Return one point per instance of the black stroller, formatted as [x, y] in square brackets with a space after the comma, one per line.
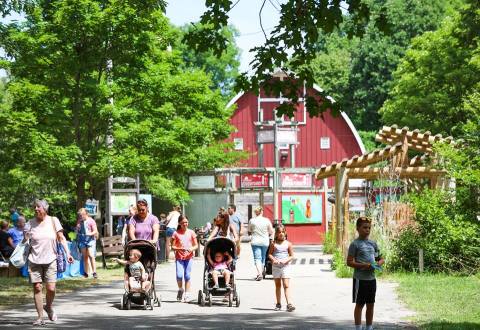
[148, 297]
[267, 269]
[206, 295]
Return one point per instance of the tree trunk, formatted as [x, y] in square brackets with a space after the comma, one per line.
[80, 191]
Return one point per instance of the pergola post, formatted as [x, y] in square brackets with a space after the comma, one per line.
[346, 216]
[340, 181]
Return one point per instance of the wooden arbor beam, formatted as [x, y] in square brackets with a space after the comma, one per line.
[409, 172]
[422, 142]
[359, 161]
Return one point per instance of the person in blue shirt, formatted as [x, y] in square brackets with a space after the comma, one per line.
[237, 222]
[14, 216]
[16, 233]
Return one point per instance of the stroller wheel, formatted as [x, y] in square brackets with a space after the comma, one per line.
[201, 298]
[230, 300]
[128, 304]
[264, 273]
[122, 303]
[209, 300]
[159, 301]
[150, 303]
[237, 301]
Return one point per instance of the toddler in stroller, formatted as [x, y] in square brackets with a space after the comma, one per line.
[219, 272]
[220, 265]
[137, 276]
[140, 263]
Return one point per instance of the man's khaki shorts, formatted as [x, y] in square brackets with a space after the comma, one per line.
[43, 273]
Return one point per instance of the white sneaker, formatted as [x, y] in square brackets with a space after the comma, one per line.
[186, 297]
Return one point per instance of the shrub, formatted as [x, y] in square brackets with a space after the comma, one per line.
[329, 245]
[339, 265]
[449, 237]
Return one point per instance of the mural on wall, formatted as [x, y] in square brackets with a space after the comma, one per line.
[301, 209]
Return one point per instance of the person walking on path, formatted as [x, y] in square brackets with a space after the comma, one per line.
[132, 210]
[87, 235]
[44, 231]
[281, 254]
[16, 232]
[364, 257]
[184, 243]
[143, 225]
[260, 229]
[236, 220]
[223, 228]
[172, 224]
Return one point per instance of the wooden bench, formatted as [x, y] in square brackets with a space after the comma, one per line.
[9, 271]
[111, 247]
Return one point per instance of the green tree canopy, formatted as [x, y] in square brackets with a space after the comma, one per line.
[94, 91]
[223, 70]
[439, 72]
[290, 46]
[358, 72]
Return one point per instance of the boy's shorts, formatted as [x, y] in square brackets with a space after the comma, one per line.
[364, 291]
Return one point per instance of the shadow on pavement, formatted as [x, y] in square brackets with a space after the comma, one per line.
[267, 320]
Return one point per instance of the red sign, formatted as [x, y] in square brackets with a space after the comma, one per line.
[296, 180]
[255, 180]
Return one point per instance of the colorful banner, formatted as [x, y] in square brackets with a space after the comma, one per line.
[302, 209]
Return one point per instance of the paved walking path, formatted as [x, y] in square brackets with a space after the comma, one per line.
[322, 301]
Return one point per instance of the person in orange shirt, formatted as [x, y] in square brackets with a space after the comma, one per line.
[184, 243]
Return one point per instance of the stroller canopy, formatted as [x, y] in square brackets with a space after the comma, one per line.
[221, 244]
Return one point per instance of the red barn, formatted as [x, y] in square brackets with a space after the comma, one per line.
[320, 141]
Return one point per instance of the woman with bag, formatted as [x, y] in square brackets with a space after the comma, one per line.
[87, 234]
[45, 235]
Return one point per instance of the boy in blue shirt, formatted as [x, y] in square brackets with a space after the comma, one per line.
[364, 256]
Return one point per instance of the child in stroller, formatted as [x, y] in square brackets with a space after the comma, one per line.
[140, 261]
[219, 254]
[220, 265]
[136, 279]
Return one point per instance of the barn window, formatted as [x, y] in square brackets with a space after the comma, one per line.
[324, 142]
[238, 143]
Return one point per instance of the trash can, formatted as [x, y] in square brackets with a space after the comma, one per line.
[162, 243]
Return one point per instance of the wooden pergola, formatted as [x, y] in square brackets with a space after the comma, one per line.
[399, 142]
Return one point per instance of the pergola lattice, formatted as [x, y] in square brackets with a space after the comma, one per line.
[399, 142]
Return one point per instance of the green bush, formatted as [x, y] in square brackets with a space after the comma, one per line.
[449, 236]
[339, 265]
[329, 245]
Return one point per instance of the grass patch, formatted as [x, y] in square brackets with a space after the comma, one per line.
[446, 302]
[16, 291]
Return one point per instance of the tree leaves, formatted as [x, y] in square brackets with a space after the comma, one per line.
[85, 73]
[290, 47]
